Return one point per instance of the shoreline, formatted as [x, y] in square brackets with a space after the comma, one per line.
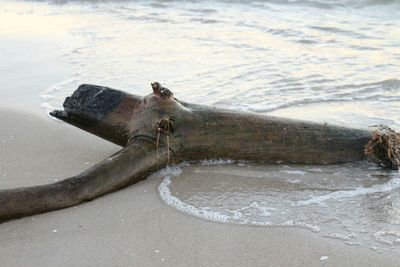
[134, 226]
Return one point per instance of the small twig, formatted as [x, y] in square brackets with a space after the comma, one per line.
[158, 141]
[168, 149]
[167, 141]
[164, 126]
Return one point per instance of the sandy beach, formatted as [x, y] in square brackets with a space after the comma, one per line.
[133, 227]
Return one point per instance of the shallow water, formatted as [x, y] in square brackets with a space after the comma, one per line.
[333, 61]
[358, 204]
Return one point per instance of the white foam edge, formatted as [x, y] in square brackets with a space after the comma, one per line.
[211, 162]
[48, 94]
[392, 184]
[347, 237]
[207, 213]
[379, 237]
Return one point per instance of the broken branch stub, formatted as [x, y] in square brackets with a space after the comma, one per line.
[100, 110]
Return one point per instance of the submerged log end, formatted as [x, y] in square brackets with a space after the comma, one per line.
[385, 147]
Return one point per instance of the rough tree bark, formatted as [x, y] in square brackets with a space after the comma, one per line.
[159, 129]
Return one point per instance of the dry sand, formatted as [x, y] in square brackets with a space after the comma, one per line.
[133, 227]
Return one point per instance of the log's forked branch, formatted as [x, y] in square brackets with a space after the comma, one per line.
[128, 166]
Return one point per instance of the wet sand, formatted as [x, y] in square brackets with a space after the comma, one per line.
[133, 227]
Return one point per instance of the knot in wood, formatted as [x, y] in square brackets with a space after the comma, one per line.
[165, 125]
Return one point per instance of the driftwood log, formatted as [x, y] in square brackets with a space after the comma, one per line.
[158, 129]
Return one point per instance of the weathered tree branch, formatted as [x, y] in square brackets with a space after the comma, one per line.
[158, 128]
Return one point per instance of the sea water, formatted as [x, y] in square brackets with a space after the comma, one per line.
[358, 204]
[334, 61]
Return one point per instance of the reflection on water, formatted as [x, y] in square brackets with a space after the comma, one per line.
[356, 203]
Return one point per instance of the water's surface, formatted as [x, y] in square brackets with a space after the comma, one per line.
[323, 60]
[358, 204]
[334, 61]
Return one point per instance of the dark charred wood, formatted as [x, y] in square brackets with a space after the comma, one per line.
[100, 110]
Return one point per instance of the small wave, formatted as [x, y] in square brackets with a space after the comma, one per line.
[347, 237]
[205, 21]
[296, 172]
[381, 188]
[388, 237]
[203, 10]
[158, 5]
[382, 91]
[209, 162]
[336, 30]
[208, 214]
[306, 41]
[154, 18]
[365, 48]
